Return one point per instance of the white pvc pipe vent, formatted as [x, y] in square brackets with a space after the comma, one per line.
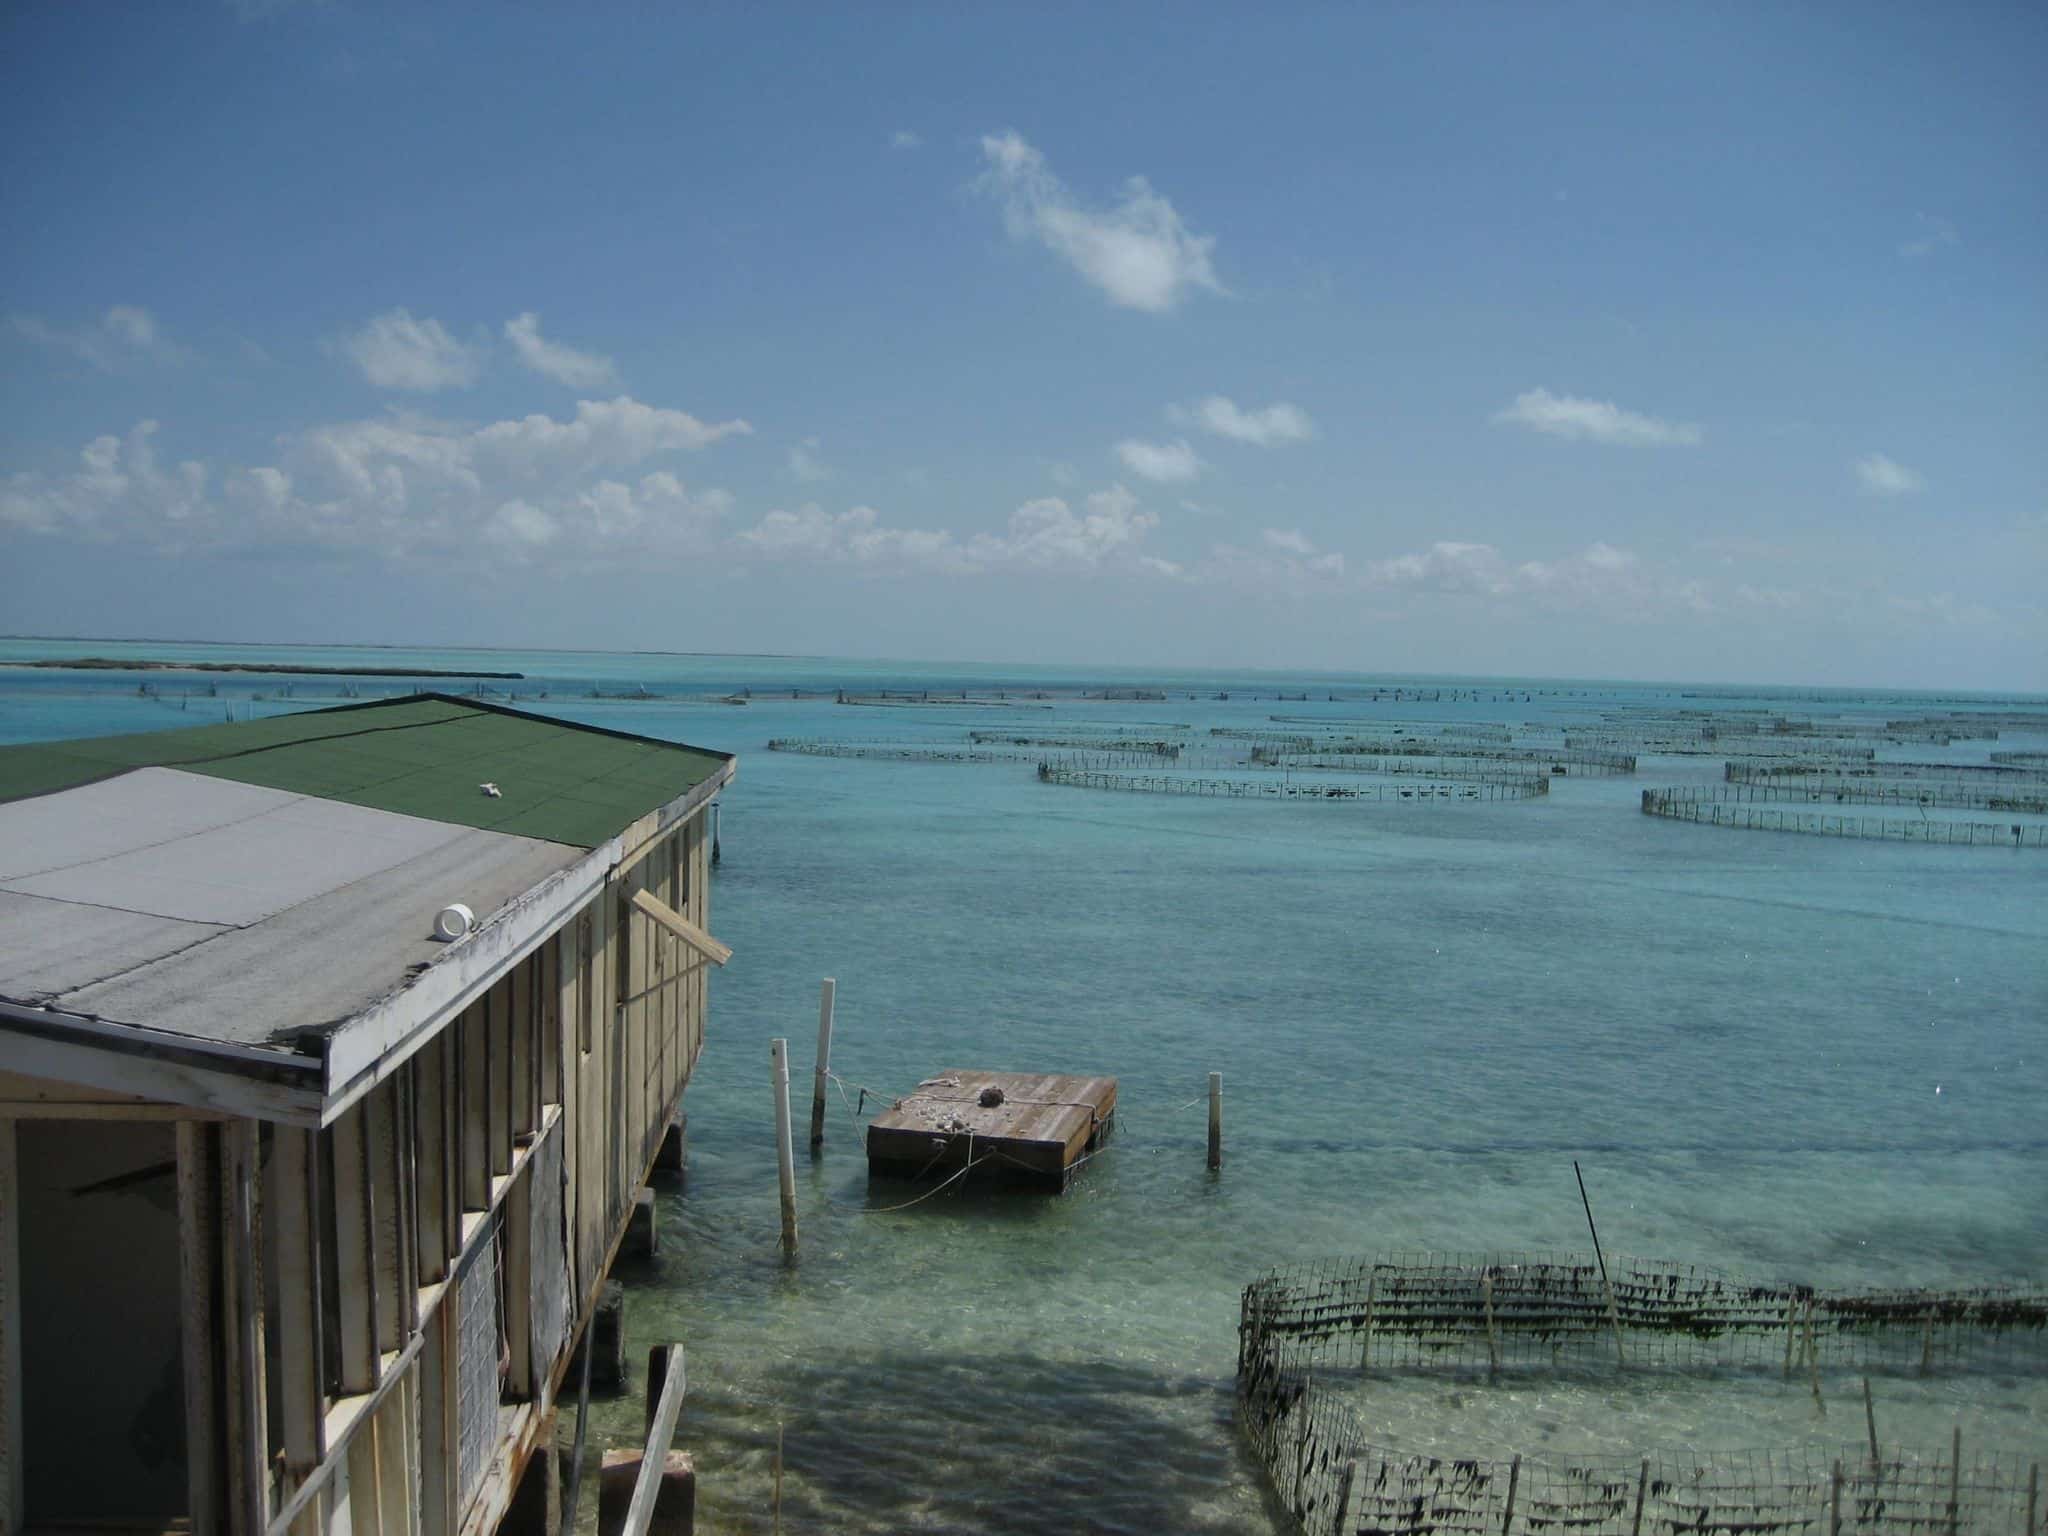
[454, 922]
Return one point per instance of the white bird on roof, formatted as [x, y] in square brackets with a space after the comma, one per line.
[491, 789]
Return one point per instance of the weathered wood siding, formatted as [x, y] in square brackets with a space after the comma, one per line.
[380, 1312]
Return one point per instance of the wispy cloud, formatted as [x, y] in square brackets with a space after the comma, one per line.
[1138, 253]
[1167, 463]
[1599, 576]
[1045, 535]
[125, 337]
[1930, 235]
[1881, 476]
[395, 351]
[903, 138]
[1595, 421]
[804, 464]
[1292, 540]
[565, 365]
[401, 486]
[1264, 428]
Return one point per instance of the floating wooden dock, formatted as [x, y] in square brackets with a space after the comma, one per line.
[1019, 1127]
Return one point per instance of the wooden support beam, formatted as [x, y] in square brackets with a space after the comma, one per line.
[436, 1210]
[702, 942]
[198, 1244]
[438, 1430]
[525, 1107]
[476, 1086]
[248, 1410]
[661, 1433]
[354, 1256]
[517, 1323]
[499, 1013]
[379, 1112]
[289, 1204]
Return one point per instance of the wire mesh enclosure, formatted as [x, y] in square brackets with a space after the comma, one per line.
[1304, 1327]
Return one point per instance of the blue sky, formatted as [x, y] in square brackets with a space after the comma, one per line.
[1683, 342]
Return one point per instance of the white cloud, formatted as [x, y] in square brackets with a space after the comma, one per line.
[118, 484]
[403, 486]
[565, 365]
[1932, 234]
[1047, 534]
[804, 464]
[395, 351]
[1598, 576]
[1885, 477]
[1168, 463]
[1267, 428]
[1774, 599]
[1598, 421]
[1285, 562]
[1291, 540]
[1138, 253]
[903, 138]
[122, 338]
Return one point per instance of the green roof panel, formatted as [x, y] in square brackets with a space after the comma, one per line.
[423, 755]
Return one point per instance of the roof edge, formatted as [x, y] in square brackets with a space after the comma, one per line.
[372, 1043]
[253, 1081]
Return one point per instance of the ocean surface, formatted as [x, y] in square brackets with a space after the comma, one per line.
[1793, 1057]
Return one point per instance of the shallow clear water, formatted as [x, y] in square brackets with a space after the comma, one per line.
[1800, 1058]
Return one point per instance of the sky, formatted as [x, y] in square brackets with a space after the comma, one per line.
[1683, 342]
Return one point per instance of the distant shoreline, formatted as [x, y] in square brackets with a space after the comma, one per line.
[140, 664]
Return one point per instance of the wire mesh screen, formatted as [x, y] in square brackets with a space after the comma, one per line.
[1503, 1311]
[476, 1369]
[550, 1259]
[1426, 1311]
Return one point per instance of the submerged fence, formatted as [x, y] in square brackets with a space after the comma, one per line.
[1269, 786]
[1302, 1328]
[1698, 805]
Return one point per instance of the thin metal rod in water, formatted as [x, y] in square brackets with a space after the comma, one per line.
[822, 1071]
[785, 1157]
[1613, 1316]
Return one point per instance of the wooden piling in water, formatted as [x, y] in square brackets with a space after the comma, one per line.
[785, 1156]
[1215, 1122]
[823, 1070]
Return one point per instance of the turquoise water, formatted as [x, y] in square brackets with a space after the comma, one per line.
[1791, 1056]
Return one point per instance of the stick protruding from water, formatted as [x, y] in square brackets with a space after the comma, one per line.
[1607, 1285]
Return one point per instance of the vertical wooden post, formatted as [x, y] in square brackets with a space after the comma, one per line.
[1870, 1424]
[1642, 1491]
[290, 1204]
[1345, 1487]
[1507, 1521]
[823, 1069]
[197, 1244]
[249, 1478]
[1835, 1501]
[1955, 1480]
[1492, 1329]
[2033, 1494]
[1215, 1121]
[785, 1157]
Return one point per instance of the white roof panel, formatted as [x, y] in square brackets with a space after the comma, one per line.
[176, 901]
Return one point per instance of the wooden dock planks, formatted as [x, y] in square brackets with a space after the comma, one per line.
[1044, 1126]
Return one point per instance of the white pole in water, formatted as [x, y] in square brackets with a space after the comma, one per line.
[785, 1158]
[823, 1070]
[1215, 1121]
